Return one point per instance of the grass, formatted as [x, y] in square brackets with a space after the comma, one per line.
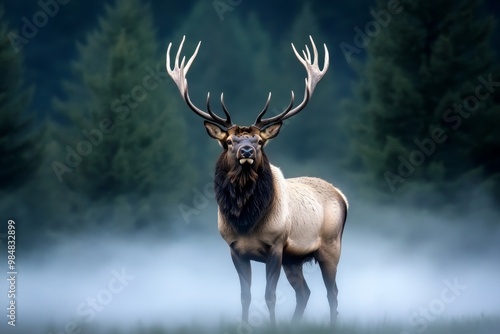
[472, 325]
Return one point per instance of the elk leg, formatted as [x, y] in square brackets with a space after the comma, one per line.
[244, 270]
[295, 276]
[273, 270]
[329, 272]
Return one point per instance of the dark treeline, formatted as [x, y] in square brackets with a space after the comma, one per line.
[95, 135]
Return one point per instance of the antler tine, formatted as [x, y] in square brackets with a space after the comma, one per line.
[263, 110]
[271, 120]
[224, 109]
[308, 58]
[314, 75]
[226, 122]
[178, 75]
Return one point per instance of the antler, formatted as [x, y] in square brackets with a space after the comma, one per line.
[178, 74]
[314, 75]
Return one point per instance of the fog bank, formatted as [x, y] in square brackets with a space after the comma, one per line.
[408, 267]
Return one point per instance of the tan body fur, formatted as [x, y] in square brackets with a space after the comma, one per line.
[307, 215]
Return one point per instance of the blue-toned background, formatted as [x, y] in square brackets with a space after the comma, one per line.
[108, 175]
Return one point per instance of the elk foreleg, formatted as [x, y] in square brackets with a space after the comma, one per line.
[273, 270]
[244, 270]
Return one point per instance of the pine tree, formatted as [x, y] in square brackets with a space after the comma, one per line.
[127, 145]
[426, 59]
[20, 149]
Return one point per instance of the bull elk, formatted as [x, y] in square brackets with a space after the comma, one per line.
[263, 216]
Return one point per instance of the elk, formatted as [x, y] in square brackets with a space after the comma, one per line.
[261, 215]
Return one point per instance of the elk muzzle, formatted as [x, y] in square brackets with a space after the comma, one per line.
[246, 154]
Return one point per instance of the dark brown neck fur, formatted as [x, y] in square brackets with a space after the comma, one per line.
[244, 193]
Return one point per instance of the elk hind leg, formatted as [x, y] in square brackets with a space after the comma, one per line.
[295, 277]
[328, 264]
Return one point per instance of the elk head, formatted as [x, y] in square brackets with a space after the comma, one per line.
[243, 145]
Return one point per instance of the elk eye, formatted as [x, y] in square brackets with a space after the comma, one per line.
[261, 142]
[229, 142]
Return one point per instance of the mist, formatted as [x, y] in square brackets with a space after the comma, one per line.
[409, 267]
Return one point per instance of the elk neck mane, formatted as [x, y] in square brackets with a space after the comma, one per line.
[244, 194]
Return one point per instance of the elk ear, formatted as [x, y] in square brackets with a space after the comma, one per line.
[215, 131]
[271, 131]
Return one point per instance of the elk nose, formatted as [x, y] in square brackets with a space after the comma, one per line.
[246, 151]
